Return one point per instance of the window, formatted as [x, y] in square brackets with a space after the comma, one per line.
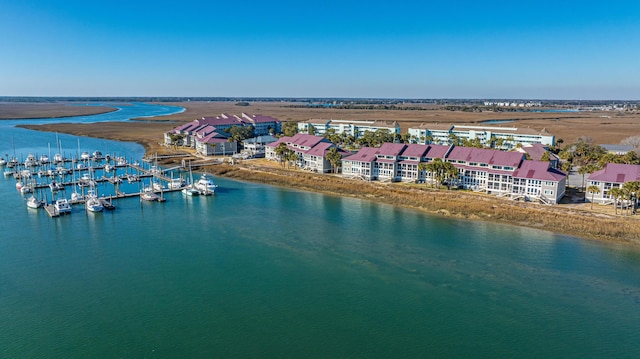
[548, 191]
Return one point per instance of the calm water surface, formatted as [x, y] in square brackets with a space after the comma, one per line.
[260, 271]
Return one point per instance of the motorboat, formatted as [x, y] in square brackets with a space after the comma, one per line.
[57, 158]
[205, 185]
[3, 162]
[85, 156]
[157, 187]
[56, 186]
[190, 191]
[176, 183]
[93, 203]
[30, 161]
[97, 156]
[34, 203]
[62, 206]
[149, 196]
[44, 159]
[76, 196]
[86, 180]
[13, 162]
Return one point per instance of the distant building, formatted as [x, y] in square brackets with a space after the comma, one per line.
[353, 128]
[508, 137]
[208, 135]
[618, 149]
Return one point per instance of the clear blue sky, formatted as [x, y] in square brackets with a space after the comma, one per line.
[404, 49]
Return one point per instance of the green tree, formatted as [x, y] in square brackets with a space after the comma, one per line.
[588, 168]
[290, 128]
[281, 151]
[176, 138]
[311, 130]
[593, 190]
[546, 157]
[335, 158]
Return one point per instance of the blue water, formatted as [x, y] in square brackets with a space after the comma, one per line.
[261, 271]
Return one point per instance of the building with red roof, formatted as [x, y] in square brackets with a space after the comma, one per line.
[539, 180]
[490, 171]
[614, 175]
[311, 151]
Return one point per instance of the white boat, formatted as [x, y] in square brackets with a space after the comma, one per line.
[13, 162]
[57, 158]
[3, 162]
[8, 172]
[133, 178]
[56, 186]
[93, 204]
[85, 156]
[34, 203]
[86, 180]
[76, 196]
[62, 170]
[107, 168]
[190, 191]
[44, 159]
[157, 187]
[176, 183]
[205, 185]
[30, 161]
[62, 206]
[97, 156]
[149, 196]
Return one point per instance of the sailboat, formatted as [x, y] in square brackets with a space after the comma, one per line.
[189, 190]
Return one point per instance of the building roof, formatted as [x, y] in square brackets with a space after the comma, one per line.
[261, 139]
[617, 173]
[257, 118]
[305, 140]
[415, 150]
[481, 155]
[538, 170]
[320, 149]
[617, 148]
[391, 149]
[365, 154]
[437, 151]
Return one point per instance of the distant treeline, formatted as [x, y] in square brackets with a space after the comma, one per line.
[347, 103]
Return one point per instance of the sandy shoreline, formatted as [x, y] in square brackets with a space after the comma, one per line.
[575, 219]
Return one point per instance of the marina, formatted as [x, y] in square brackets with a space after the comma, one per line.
[127, 180]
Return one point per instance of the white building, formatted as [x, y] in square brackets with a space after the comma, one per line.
[353, 128]
[509, 136]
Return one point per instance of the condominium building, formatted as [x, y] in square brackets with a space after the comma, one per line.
[500, 137]
[353, 128]
[490, 171]
[614, 175]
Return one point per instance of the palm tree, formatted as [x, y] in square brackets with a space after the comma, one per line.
[435, 167]
[593, 189]
[281, 152]
[335, 158]
[583, 170]
[616, 193]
